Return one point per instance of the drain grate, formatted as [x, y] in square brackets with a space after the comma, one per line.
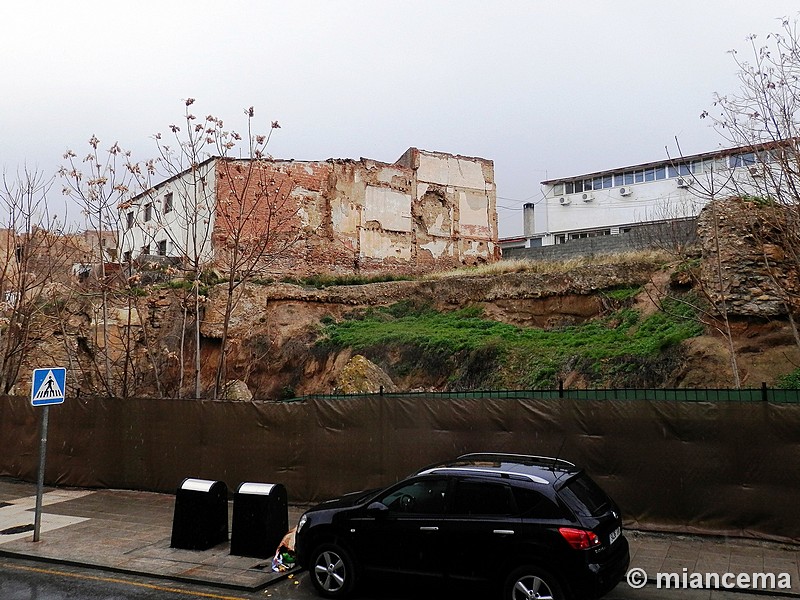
[17, 529]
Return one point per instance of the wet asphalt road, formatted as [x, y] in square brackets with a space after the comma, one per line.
[28, 580]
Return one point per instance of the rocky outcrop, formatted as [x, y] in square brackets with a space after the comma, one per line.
[745, 263]
[362, 376]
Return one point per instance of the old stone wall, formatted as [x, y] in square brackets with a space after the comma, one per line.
[746, 261]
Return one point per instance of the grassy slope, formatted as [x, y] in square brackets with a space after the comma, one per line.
[473, 352]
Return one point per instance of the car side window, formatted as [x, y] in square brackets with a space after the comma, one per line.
[483, 498]
[534, 505]
[426, 496]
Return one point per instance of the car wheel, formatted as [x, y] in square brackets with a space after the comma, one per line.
[529, 582]
[333, 572]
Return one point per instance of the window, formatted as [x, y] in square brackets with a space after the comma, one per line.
[146, 249]
[638, 176]
[619, 179]
[129, 219]
[532, 504]
[607, 182]
[661, 173]
[681, 170]
[127, 256]
[650, 175]
[425, 496]
[558, 189]
[743, 160]
[629, 178]
[586, 496]
[162, 248]
[168, 202]
[148, 211]
[569, 187]
[480, 498]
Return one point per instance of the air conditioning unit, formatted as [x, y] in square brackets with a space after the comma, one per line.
[684, 182]
[587, 197]
[564, 201]
[625, 191]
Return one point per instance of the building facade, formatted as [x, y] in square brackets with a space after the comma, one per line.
[618, 201]
[427, 211]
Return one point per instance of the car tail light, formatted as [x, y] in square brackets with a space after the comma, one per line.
[579, 539]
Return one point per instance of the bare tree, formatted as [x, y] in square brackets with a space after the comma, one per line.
[763, 117]
[220, 213]
[31, 258]
[98, 184]
[97, 187]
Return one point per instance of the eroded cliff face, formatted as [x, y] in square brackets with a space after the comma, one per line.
[275, 328]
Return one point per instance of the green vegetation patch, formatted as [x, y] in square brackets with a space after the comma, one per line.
[525, 356]
[323, 281]
[790, 381]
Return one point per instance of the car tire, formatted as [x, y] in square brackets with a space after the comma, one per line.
[527, 582]
[332, 571]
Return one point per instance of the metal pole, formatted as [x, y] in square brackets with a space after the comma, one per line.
[37, 523]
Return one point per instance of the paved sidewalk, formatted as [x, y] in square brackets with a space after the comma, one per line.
[670, 553]
[123, 531]
[129, 531]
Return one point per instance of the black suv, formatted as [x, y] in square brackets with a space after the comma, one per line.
[533, 526]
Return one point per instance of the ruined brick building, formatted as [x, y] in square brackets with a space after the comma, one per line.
[427, 211]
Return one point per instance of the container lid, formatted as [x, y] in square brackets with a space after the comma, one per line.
[197, 485]
[259, 489]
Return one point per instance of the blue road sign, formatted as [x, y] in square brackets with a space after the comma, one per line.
[49, 386]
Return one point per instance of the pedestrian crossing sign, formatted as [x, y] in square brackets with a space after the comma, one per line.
[49, 386]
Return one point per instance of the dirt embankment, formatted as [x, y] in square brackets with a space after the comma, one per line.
[275, 327]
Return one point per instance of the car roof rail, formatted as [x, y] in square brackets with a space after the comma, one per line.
[545, 459]
[490, 472]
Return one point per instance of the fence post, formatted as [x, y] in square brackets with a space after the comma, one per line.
[764, 397]
[560, 388]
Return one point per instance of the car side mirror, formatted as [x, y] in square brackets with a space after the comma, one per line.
[376, 509]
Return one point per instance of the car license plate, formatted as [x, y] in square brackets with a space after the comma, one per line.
[614, 535]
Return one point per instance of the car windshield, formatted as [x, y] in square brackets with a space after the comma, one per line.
[585, 496]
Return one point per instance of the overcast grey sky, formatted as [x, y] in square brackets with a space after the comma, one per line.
[545, 89]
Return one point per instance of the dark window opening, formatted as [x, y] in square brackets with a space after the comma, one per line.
[478, 498]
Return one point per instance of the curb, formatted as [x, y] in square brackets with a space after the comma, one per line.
[177, 578]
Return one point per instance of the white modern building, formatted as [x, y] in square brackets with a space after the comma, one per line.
[611, 202]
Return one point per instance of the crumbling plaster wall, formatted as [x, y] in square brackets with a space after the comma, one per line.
[455, 208]
[428, 211]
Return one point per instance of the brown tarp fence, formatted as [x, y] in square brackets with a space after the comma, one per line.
[730, 468]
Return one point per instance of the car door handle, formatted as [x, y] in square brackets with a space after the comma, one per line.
[504, 531]
[429, 529]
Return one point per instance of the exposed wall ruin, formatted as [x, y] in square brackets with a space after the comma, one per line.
[428, 211]
[750, 247]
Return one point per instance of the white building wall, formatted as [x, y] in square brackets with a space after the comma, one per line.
[186, 229]
[608, 210]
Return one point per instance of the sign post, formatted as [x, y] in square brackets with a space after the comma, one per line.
[48, 387]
